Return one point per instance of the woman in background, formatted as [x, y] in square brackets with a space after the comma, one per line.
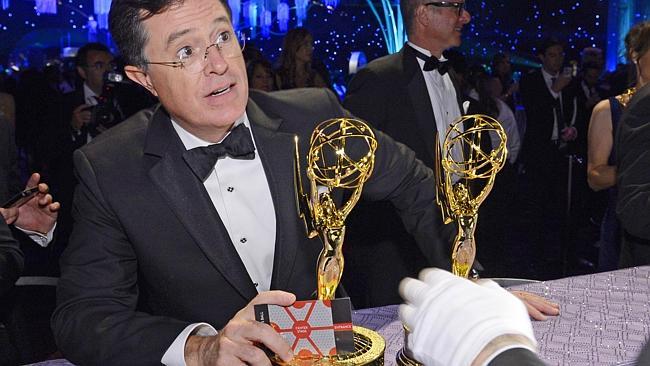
[260, 75]
[297, 68]
[601, 164]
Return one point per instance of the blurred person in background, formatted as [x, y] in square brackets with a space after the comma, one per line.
[298, 68]
[260, 75]
[601, 164]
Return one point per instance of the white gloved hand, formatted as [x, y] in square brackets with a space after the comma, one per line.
[452, 319]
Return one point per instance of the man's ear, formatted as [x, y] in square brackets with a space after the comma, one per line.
[141, 77]
[82, 72]
[422, 16]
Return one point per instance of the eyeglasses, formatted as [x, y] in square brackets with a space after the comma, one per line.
[190, 58]
[447, 4]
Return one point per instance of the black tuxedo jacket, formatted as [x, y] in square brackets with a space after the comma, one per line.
[539, 104]
[633, 160]
[149, 254]
[11, 258]
[9, 175]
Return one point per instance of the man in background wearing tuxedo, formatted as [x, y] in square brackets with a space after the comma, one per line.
[412, 96]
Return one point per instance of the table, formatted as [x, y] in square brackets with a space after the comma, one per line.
[604, 320]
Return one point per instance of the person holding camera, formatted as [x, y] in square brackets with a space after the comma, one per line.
[94, 61]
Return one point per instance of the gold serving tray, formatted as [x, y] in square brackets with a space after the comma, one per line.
[369, 349]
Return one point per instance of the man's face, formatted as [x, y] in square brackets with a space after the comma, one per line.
[552, 59]
[503, 67]
[262, 79]
[446, 26]
[208, 100]
[591, 76]
[97, 63]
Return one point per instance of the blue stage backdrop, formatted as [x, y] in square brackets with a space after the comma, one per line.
[28, 38]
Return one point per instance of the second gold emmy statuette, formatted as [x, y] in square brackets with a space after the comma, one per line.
[465, 173]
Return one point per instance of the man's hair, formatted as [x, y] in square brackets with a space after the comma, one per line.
[592, 65]
[548, 43]
[82, 55]
[408, 7]
[125, 23]
[638, 39]
[499, 57]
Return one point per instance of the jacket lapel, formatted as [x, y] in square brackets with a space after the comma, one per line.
[419, 95]
[276, 150]
[191, 204]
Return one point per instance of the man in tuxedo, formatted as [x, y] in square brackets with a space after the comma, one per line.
[633, 178]
[162, 244]
[549, 97]
[83, 113]
[412, 96]
[186, 214]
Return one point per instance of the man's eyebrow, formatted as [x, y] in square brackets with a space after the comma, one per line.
[176, 35]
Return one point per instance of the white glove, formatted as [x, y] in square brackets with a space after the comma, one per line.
[452, 319]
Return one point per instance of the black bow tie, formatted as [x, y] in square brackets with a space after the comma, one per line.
[432, 63]
[238, 144]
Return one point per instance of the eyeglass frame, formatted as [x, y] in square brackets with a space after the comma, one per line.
[181, 64]
[448, 4]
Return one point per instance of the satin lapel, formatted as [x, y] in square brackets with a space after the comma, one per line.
[191, 204]
[419, 95]
[276, 150]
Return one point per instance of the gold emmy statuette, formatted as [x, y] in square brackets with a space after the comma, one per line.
[341, 157]
[465, 175]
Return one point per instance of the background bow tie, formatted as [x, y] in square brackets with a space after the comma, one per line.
[238, 145]
[432, 63]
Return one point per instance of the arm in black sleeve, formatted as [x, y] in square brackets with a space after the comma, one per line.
[11, 258]
[633, 177]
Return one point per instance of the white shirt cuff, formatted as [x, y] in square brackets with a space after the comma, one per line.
[39, 238]
[175, 354]
[505, 348]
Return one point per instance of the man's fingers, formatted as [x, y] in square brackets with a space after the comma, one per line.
[43, 188]
[534, 313]
[33, 180]
[275, 297]
[253, 331]
[237, 353]
[55, 207]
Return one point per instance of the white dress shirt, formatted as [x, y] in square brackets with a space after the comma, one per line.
[240, 193]
[442, 94]
[90, 98]
[548, 79]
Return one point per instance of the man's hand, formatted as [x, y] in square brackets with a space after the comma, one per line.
[80, 116]
[537, 306]
[38, 214]
[568, 134]
[236, 342]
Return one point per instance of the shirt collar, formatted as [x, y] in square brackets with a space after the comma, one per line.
[424, 50]
[191, 141]
[548, 76]
[89, 95]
